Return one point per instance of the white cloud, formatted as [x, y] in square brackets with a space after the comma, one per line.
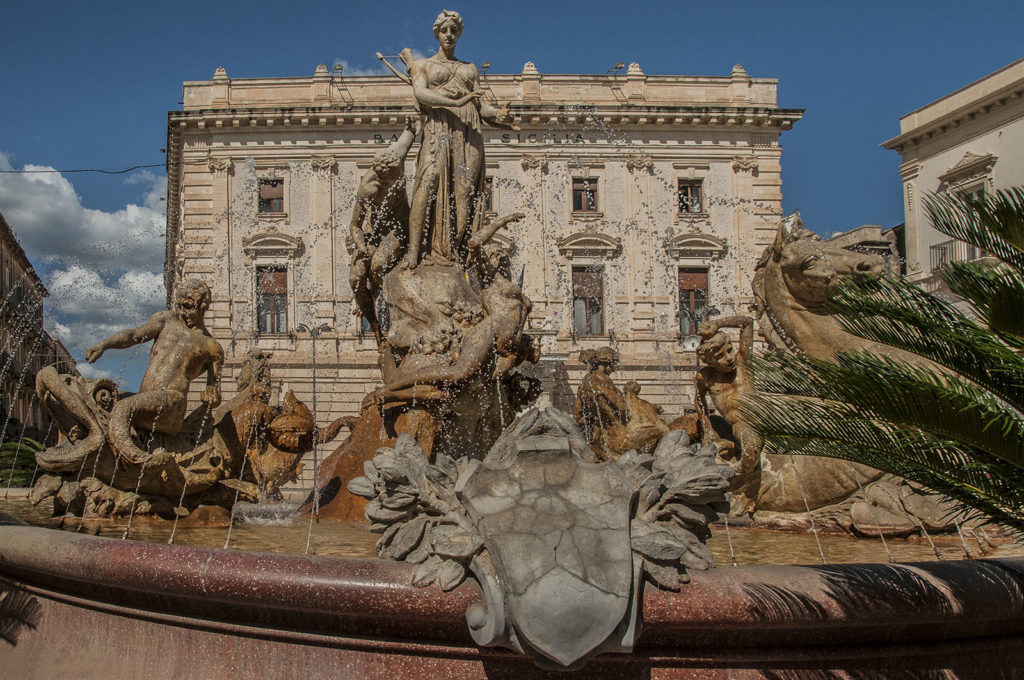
[92, 373]
[83, 294]
[103, 268]
[378, 69]
[52, 223]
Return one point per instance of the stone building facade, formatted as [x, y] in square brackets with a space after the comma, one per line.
[971, 140]
[25, 347]
[648, 200]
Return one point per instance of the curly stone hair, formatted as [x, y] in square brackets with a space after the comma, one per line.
[386, 161]
[711, 344]
[448, 15]
[194, 288]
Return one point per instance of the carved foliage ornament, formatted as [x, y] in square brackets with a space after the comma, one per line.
[530, 162]
[745, 164]
[639, 162]
[219, 165]
[558, 542]
[323, 164]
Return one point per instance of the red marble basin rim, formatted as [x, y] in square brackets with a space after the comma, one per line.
[726, 607]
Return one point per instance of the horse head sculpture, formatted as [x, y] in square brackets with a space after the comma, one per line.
[792, 281]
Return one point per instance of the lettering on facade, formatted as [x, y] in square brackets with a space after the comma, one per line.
[543, 138]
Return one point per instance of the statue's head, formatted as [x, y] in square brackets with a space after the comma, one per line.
[810, 267]
[717, 351]
[255, 374]
[448, 26]
[386, 164]
[632, 387]
[498, 259]
[602, 356]
[191, 300]
[529, 348]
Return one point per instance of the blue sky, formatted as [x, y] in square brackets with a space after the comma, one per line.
[89, 84]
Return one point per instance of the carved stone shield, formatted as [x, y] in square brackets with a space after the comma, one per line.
[557, 532]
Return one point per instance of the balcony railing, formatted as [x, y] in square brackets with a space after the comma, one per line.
[947, 252]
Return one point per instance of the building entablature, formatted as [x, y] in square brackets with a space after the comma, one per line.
[999, 93]
[377, 117]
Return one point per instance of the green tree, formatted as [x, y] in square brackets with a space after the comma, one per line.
[18, 461]
[954, 421]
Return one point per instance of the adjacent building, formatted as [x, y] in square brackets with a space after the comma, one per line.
[648, 200]
[25, 347]
[969, 141]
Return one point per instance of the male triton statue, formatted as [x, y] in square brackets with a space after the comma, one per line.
[183, 349]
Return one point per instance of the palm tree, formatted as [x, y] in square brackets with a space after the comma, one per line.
[954, 421]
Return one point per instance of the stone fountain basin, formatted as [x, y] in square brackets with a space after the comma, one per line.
[113, 609]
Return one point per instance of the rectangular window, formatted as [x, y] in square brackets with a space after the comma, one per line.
[271, 196]
[690, 197]
[488, 194]
[272, 299]
[584, 194]
[693, 299]
[588, 300]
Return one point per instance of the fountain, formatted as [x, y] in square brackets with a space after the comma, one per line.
[514, 540]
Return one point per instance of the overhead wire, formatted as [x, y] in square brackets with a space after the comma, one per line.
[105, 172]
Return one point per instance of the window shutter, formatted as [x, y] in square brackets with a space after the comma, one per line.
[271, 189]
[693, 279]
[273, 281]
[586, 284]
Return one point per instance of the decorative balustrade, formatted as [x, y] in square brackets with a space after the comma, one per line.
[947, 252]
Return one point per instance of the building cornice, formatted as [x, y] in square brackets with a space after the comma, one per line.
[998, 101]
[375, 117]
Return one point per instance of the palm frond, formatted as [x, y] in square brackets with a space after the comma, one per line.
[18, 610]
[895, 312]
[945, 406]
[956, 424]
[994, 290]
[994, 223]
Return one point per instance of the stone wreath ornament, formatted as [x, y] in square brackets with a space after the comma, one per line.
[559, 542]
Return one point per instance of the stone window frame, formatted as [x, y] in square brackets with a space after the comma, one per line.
[691, 172]
[260, 293]
[701, 202]
[970, 174]
[271, 172]
[682, 270]
[589, 249]
[586, 178]
[693, 250]
[272, 249]
[602, 299]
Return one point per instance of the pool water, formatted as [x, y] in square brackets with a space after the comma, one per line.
[745, 546]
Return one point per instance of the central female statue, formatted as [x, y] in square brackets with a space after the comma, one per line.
[448, 192]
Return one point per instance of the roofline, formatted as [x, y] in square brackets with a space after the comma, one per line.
[969, 110]
[962, 89]
[7, 233]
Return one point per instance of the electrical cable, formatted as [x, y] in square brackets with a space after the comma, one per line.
[105, 172]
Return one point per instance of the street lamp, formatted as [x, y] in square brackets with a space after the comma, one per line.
[314, 333]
